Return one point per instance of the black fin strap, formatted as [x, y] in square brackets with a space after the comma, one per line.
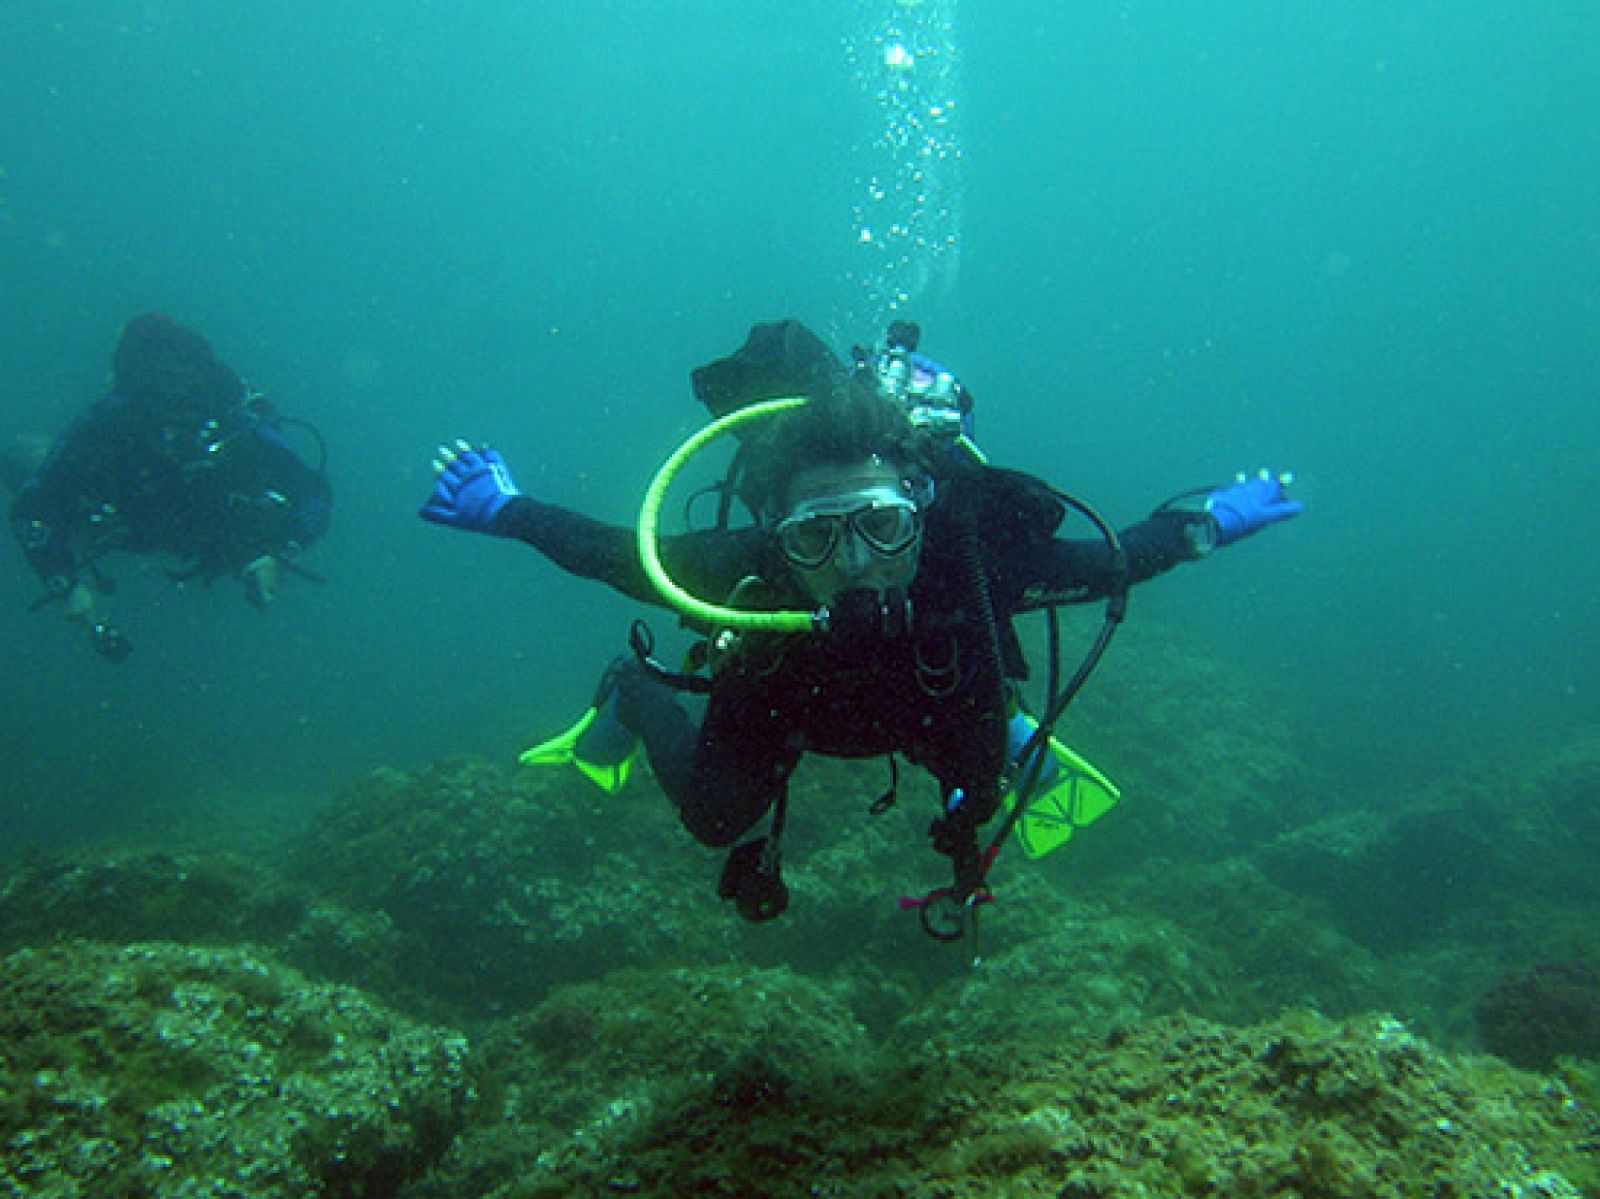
[887, 800]
[643, 643]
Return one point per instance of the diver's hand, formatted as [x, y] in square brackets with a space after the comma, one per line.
[1251, 504]
[471, 488]
[261, 579]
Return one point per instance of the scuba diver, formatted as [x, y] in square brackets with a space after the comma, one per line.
[178, 458]
[869, 613]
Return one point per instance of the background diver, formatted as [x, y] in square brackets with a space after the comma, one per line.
[178, 458]
[919, 560]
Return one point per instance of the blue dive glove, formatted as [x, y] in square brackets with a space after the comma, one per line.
[471, 488]
[1250, 505]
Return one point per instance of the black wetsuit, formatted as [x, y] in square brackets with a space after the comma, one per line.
[936, 694]
[215, 491]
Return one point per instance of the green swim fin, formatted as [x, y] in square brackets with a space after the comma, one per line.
[599, 745]
[1072, 794]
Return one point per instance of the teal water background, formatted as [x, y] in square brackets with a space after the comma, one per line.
[1358, 241]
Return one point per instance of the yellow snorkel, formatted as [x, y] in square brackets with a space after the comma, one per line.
[693, 606]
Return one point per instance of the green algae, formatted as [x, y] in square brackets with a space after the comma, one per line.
[132, 895]
[1299, 1107]
[1126, 1034]
[154, 1070]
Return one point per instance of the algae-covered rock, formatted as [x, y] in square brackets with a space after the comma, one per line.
[141, 895]
[1097, 971]
[1537, 1014]
[126, 895]
[1273, 948]
[159, 1070]
[1491, 854]
[685, 1027]
[1303, 1107]
[506, 883]
[1294, 1108]
[596, 1066]
[1456, 887]
[1394, 880]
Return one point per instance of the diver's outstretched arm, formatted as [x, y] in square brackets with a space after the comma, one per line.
[1182, 530]
[474, 491]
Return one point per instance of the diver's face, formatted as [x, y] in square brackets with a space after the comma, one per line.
[849, 528]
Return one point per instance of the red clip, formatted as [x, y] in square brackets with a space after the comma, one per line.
[910, 903]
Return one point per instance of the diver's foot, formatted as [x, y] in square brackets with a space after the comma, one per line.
[600, 745]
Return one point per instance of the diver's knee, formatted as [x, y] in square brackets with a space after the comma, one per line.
[716, 829]
[712, 833]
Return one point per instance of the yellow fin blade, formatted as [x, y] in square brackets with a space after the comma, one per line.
[565, 750]
[1077, 795]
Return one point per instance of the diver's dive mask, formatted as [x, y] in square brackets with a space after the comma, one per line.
[882, 521]
[856, 551]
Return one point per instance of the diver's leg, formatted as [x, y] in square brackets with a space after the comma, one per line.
[723, 776]
[650, 709]
[740, 770]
